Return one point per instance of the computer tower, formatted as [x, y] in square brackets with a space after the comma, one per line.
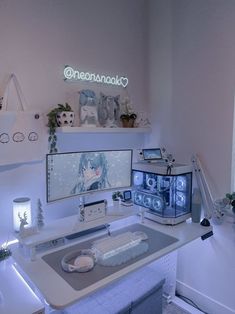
[165, 194]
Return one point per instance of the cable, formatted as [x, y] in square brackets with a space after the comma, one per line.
[190, 302]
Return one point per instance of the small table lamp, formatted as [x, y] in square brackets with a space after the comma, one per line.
[21, 210]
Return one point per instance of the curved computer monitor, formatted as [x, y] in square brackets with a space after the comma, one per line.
[78, 173]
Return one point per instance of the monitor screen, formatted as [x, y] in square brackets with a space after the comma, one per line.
[152, 154]
[77, 173]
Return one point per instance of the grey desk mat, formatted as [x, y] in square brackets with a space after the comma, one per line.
[78, 281]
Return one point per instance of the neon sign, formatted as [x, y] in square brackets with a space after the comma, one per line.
[76, 75]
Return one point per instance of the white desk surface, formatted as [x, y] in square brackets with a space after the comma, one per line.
[65, 226]
[59, 294]
[15, 295]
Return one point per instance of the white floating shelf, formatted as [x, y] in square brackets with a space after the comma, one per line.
[67, 129]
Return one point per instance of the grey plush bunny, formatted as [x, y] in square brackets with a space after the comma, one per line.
[109, 110]
[88, 108]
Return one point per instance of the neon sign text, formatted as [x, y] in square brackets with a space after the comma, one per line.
[71, 74]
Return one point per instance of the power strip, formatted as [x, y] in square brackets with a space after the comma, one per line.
[49, 245]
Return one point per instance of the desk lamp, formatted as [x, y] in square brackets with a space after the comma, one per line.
[21, 209]
[209, 205]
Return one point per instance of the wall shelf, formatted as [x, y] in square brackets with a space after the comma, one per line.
[96, 130]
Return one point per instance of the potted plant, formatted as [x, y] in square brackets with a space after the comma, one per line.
[4, 253]
[230, 200]
[128, 116]
[116, 196]
[62, 115]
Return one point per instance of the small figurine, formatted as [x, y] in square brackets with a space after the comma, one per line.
[168, 159]
[25, 232]
[109, 110]
[40, 217]
[23, 223]
[88, 108]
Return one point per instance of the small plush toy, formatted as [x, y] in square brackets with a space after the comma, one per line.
[88, 108]
[169, 159]
[109, 110]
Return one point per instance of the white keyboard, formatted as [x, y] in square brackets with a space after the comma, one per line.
[112, 245]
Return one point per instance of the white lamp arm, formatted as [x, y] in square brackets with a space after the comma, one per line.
[207, 200]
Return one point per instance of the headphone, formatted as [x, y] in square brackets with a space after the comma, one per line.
[83, 261]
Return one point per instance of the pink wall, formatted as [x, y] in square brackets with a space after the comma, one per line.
[37, 39]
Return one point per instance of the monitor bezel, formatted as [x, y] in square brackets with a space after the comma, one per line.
[92, 191]
[152, 149]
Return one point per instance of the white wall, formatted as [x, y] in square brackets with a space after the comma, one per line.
[198, 118]
[37, 39]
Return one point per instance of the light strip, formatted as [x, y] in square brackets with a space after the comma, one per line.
[7, 243]
[76, 75]
[23, 280]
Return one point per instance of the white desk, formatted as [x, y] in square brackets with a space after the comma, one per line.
[15, 295]
[59, 294]
[65, 226]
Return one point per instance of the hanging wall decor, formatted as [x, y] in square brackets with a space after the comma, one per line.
[22, 132]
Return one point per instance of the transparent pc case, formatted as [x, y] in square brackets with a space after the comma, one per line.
[167, 198]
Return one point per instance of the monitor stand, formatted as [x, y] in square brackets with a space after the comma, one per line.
[127, 203]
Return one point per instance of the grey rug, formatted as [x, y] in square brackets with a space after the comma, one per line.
[156, 241]
[172, 308]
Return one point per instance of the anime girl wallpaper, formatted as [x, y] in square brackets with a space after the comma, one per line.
[76, 173]
[92, 173]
